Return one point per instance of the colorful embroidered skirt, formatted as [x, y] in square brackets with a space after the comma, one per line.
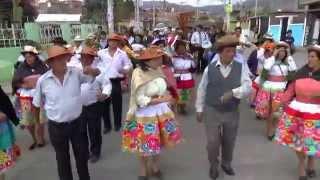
[184, 95]
[265, 101]
[27, 112]
[300, 132]
[153, 128]
[7, 147]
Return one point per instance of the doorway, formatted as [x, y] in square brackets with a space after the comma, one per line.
[284, 28]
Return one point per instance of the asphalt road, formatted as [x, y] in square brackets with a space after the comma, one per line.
[255, 157]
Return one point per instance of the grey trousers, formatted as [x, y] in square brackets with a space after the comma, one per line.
[221, 130]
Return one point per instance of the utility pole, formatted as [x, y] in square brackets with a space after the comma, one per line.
[256, 8]
[153, 14]
[197, 11]
[137, 23]
[110, 16]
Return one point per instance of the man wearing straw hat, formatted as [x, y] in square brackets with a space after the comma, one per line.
[59, 91]
[223, 84]
[93, 94]
[118, 65]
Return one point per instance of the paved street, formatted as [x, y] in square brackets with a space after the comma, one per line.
[255, 158]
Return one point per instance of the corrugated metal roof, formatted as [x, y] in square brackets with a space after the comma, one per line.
[58, 18]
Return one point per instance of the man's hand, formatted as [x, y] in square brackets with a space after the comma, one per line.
[200, 117]
[101, 97]
[226, 97]
[91, 71]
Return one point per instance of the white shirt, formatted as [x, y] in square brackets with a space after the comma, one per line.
[62, 102]
[114, 65]
[239, 92]
[196, 38]
[101, 84]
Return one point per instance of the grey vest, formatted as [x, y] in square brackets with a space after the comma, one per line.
[218, 85]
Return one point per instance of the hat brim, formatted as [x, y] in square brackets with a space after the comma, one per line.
[115, 39]
[150, 58]
[24, 52]
[314, 49]
[64, 54]
[224, 45]
[282, 45]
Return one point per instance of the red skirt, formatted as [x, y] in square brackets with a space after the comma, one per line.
[185, 84]
[265, 101]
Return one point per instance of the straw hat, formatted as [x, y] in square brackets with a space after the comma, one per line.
[115, 37]
[267, 36]
[29, 49]
[227, 41]
[91, 36]
[315, 47]
[150, 53]
[282, 44]
[56, 51]
[89, 50]
[78, 38]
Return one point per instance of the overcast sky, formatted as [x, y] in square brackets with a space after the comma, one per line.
[194, 2]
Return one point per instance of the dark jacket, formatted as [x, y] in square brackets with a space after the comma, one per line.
[7, 108]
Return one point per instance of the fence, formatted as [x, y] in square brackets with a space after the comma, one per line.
[17, 34]
[12, 36]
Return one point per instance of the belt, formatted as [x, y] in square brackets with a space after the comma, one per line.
[62, 123]
[277, 78]
[116, 79]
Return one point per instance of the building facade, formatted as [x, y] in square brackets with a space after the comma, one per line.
[312, 10]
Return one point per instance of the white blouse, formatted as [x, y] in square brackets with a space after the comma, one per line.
[156, 87]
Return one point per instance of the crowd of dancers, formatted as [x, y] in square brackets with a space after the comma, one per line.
[73, 88]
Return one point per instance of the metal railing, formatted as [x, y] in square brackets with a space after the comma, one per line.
[12, 36]
[49, 32]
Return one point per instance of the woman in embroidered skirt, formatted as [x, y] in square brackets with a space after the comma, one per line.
[299, 125]
[184, 66]
[150, 124]
[23, 84]
[273, 79]
[8, 150]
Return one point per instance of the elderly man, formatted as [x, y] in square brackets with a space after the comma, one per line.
[118, 66]
[59, 91]
[223, 84]
[93, 94]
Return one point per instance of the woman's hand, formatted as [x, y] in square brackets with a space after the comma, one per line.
[161, 99]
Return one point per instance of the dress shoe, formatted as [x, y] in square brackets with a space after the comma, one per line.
[228, 170]
[117, 129]
[143, 178]
[303, 178]
[311, 173]
[94, 158]
[213, 173]
[106, 131]
[158, 175]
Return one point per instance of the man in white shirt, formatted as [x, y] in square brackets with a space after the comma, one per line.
[93, 94]
[197, 39]
[223, 84]
[59, 91]
[118, 65]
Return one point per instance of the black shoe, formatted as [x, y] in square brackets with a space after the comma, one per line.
[32, 146]
[213, 174]
[117, 129]
[303, 178]
[94, 158]
[270, 138]
[106, 131]
[41, 145]
[158, 175]
[228, 170]
[143, 178]
[311, 173]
